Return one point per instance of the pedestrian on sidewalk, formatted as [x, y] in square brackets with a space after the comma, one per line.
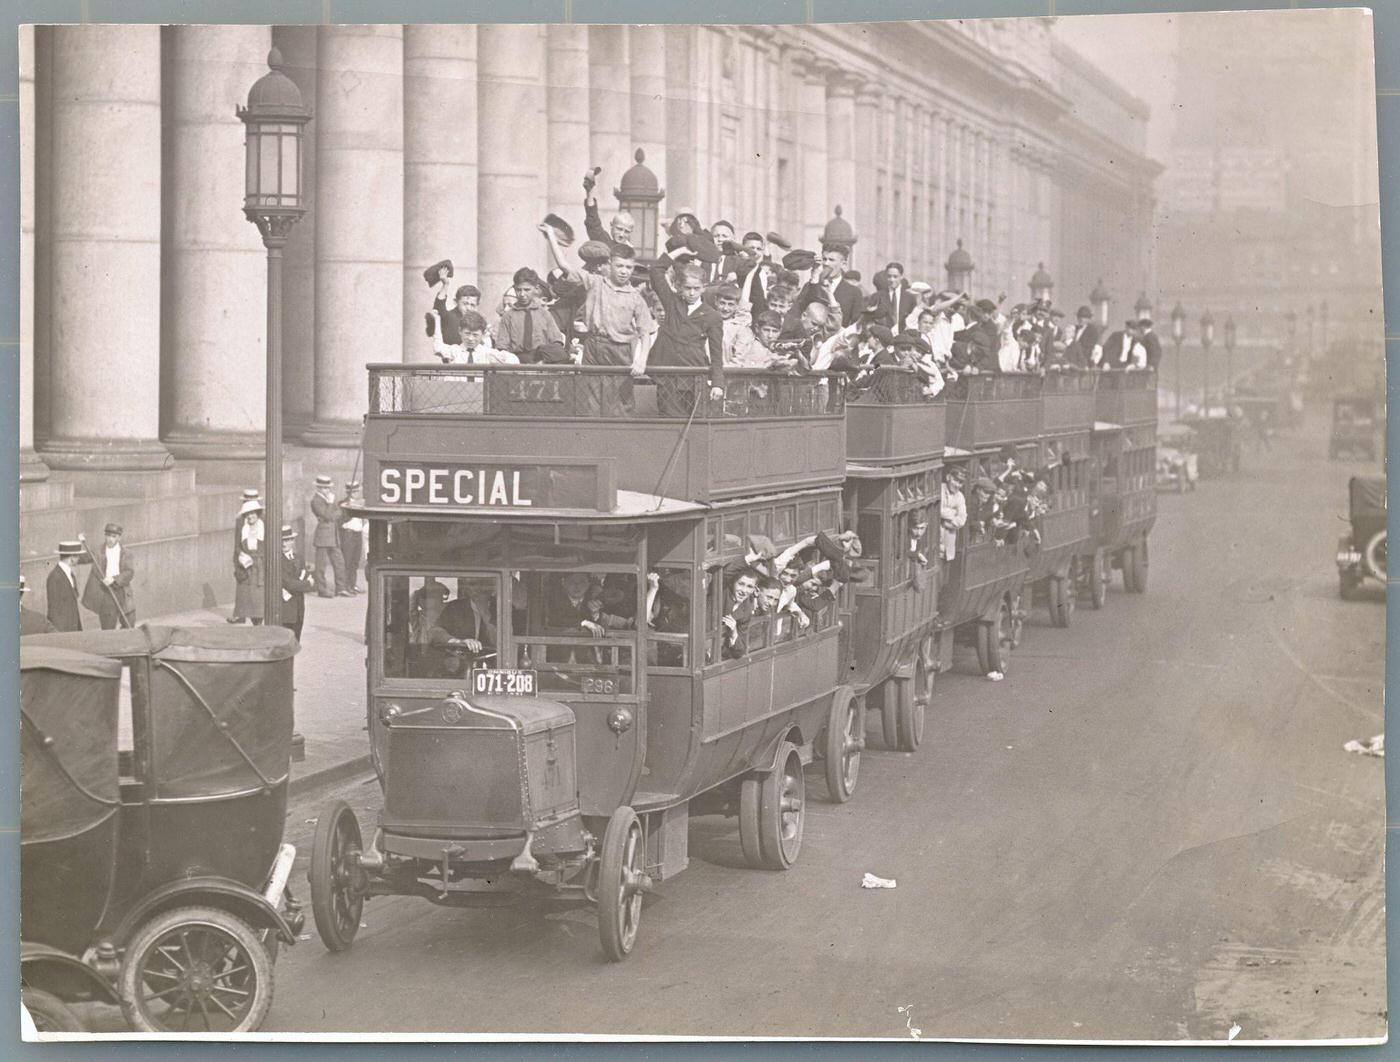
[108, 591]
[296, 583]
[352, 538]
[61, 588]
[30, 621]
[248, 565]
[327, 540]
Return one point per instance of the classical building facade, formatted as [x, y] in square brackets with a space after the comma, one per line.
[144, 287]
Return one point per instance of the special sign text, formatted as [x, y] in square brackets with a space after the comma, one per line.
[452, 486]
[490, 483]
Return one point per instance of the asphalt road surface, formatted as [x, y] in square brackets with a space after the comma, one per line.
[1148, 830]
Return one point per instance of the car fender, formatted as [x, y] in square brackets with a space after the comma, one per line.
[224, 893]
[51, 970]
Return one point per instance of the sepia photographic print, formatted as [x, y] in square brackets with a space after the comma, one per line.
[840, 530]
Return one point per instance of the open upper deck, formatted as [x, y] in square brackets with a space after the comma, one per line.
[990, 409]
[1068, 401]
[894, 422]
[501, 438]
[1127, 396]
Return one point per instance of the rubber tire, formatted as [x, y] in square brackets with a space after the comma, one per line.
[750, 795]
[989, 654]
[128, 979]
[845, 727]
[1140, 567]
[337, 932]
[1127, 564]
[913, 706]
[620, 914]
[885, 697]
[1098, 580]
[49, 1013]
[1375, 566]
[785, 783]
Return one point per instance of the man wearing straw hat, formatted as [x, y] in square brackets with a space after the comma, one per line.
[31, 622]
[352, 539]
[327, 540]
[61, 588]
[296, 583]
[108, 591]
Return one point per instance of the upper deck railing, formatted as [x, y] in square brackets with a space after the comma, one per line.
[1126, 396]
[1068, 400]
[596, 392]
[989, 409]
[893, 422]
[659, 434]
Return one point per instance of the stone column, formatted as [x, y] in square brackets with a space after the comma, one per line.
[647, 51]
[680, 117]
[811, 105]
[298, 47]
[609, 102]
[359, 221]
[841, 147]
[511, 109]
[945, 175]
[104, 302]
[31, 469]
[867, 117]
[214, 265]
[567, 106]
[439, 167]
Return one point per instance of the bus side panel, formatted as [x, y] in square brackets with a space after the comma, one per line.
[610, 762]
[672, 725]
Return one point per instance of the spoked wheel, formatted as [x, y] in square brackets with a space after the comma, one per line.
[1062, 597]
[782, 810]
[884, 699]
[195, 969]
[1375, 555]
[621, 881]
[914, 703]
[750, 796]
[1098, 579]
[1140, 567]
[845, 737]
[335, 901]
[49, 1013]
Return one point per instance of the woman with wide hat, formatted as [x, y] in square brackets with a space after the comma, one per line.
[249, 564]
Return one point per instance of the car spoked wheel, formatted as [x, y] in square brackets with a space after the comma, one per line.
[196, 969]
[621, 882]
[845, 738]
[336, 902]
[782, 810]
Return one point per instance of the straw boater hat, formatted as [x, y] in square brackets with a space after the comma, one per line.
[70, 548]
[323, 481]
[252, 505]
[288, 532]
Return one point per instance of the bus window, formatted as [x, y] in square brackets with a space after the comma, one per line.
[439, 626]
[734, 535]
[826, 515]
[668, 617]
[578, 630]
[783, 517]
[868, 528]
[806, 519]
[761, 522]
[712, 537]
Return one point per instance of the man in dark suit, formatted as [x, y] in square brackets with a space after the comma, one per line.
[108, 591]
[1121, 348]
[1151, 345]
[1080, 349]
[896, 300]
[31, 622]
[61, 587]
[326, 540]
[296, 583]
[975, 347]
[832, 276]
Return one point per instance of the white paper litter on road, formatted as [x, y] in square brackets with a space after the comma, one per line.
[1374, 747]
[870, 881]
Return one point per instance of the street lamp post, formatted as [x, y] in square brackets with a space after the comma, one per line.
[1229, 359]
[959, 268]
[640, 195]
[1041, 284]
[1143, 307]
[1098, 299]
[1178, 334]
[1207, 338]
[275, 121]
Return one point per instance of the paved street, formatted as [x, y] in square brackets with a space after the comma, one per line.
[1148, 830]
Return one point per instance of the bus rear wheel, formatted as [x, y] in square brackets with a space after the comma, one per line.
[782, 810]
[845, 737]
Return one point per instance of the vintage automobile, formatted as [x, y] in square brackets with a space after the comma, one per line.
[1355, 424]
[1361, 552]
[1219, 435]
[544, 733]
[153, 875]
[1178, 467]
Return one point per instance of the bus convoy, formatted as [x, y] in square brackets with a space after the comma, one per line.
[526, 750]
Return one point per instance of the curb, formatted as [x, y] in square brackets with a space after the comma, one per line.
[337, 772]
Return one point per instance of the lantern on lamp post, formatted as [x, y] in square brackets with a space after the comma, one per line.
[1229, 357]
[1041, 284]
[275, 124]
[640, 195]
[959, 267]
[1143, 307]
[1207, 338]
[1098, 299]
[1178, 334]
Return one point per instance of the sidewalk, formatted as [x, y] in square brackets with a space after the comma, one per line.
[330, 684]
